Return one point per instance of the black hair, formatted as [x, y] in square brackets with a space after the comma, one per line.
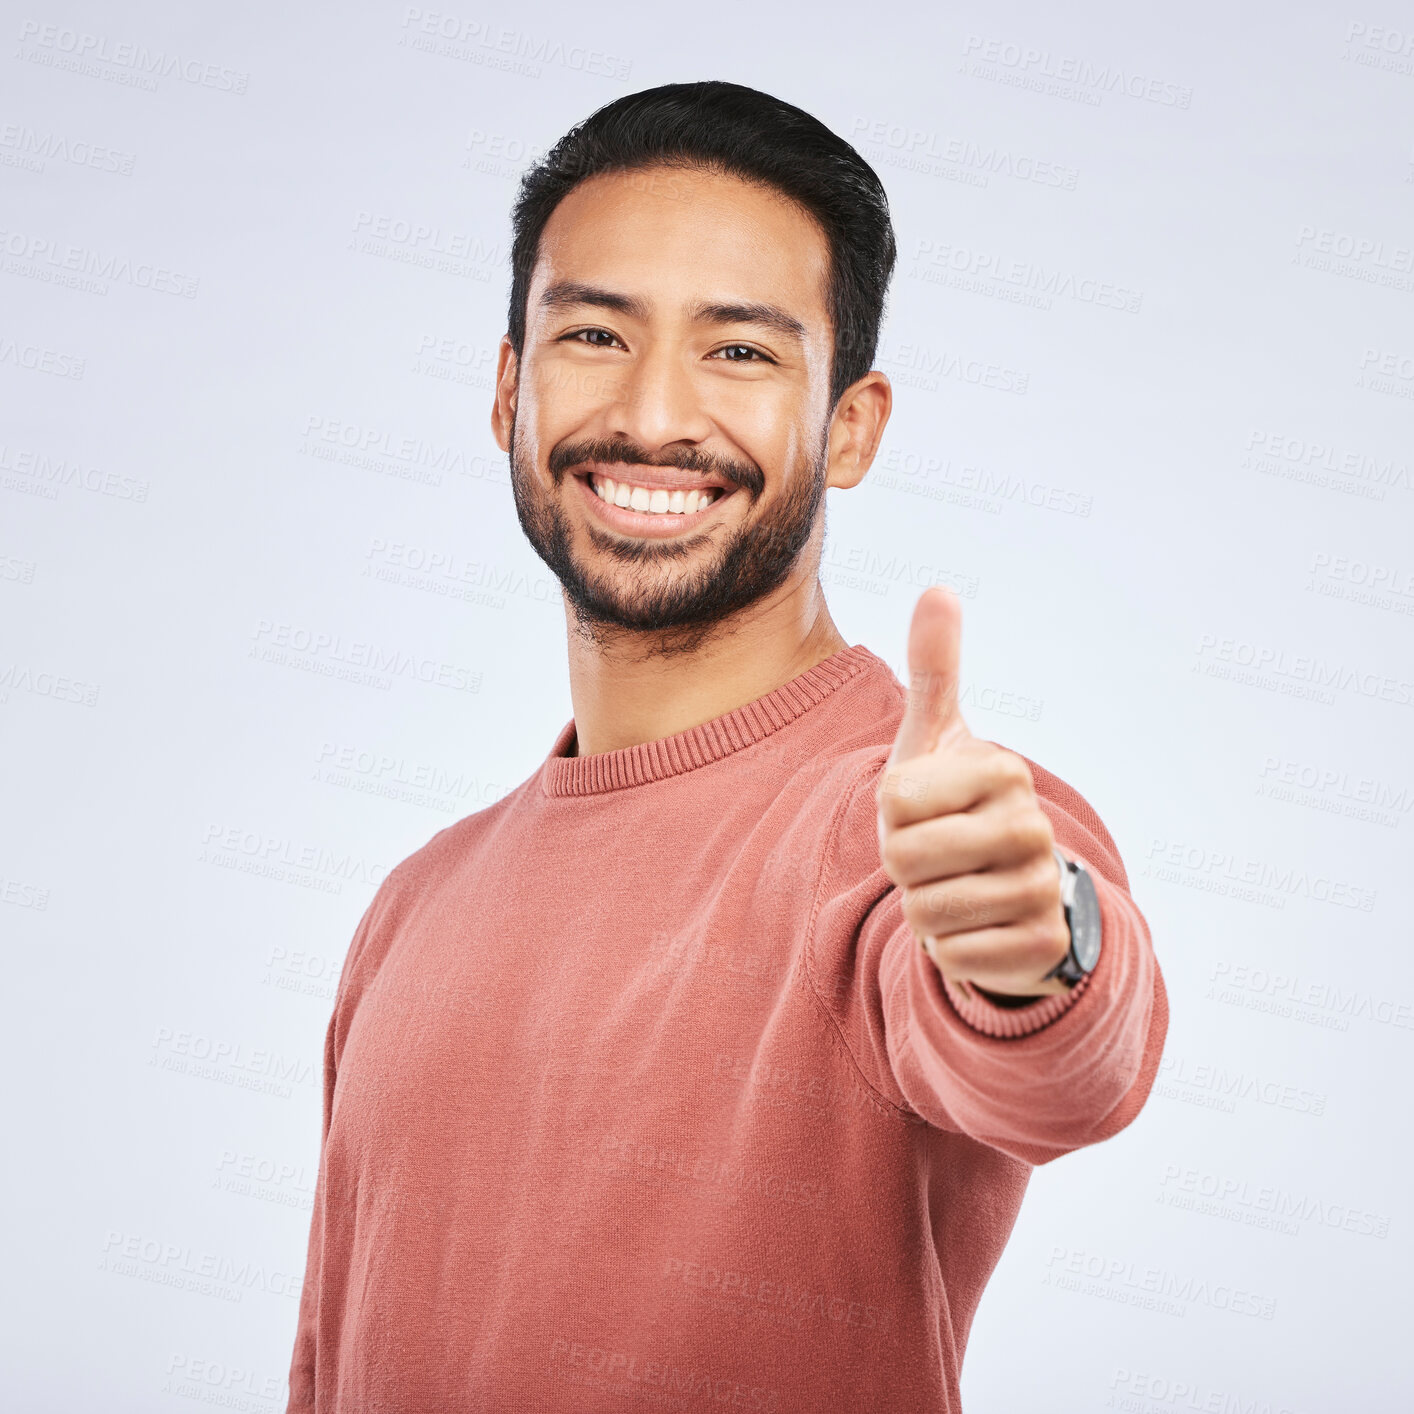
[740, 131]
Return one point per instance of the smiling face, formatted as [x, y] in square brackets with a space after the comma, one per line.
[668, 421]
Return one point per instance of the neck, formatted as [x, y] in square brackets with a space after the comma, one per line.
[632, 687]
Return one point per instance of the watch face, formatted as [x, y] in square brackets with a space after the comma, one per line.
[1085, 921]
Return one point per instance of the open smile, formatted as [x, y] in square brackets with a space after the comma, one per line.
[652, 502]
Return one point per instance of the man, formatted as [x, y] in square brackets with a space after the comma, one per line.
[708, 1067]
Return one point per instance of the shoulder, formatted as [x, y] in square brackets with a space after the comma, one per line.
[438, 860]
[424, 876]
[1078, 828]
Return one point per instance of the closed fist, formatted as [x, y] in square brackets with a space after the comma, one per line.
[962, 833]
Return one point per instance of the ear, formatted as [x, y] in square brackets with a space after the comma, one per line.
[503, 409]
[857, 428]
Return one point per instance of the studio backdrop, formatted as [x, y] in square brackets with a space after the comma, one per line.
[270, 623]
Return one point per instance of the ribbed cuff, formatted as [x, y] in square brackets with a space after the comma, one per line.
[993, 1020]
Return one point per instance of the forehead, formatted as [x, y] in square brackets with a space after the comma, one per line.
[676, 235]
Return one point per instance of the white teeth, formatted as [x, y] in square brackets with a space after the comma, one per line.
[654, 500]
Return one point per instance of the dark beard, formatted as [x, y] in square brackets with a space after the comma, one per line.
[756, 560]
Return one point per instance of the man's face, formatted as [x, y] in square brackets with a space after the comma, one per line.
[668, 420]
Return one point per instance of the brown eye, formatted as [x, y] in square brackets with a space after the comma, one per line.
[588, 336]
[752, 355]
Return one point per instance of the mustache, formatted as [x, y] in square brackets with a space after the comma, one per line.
[601, 449]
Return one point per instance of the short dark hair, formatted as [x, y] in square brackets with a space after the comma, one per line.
[740, 131]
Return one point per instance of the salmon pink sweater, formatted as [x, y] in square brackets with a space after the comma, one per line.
[639, 1092]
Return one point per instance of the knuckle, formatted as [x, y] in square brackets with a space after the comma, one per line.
[1020, 837]
[941, 900]
[913, 786]
[899, 784]
[896, 854]
[912, 913]
[944, 952]
[1052, 942]
[1020, 771]
[1038, 833]
[1041, 887]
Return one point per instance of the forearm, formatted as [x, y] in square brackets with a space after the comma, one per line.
[1046, 1077]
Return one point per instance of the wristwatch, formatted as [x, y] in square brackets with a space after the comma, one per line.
[1082, 915]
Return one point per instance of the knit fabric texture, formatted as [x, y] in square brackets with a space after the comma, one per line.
[640, 1093]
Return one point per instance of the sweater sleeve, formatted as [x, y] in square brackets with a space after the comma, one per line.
[1035, 1081]
[304, 1358]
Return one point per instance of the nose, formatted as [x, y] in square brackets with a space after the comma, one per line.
[657, 402]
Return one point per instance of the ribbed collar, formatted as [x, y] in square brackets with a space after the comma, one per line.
[699, 746]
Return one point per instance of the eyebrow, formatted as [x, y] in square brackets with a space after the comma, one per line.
[567, 293]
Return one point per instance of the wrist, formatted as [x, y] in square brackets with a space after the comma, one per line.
[1009, 999]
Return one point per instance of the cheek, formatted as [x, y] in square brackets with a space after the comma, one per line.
[765, 427]
[569, 391]
[554, 396]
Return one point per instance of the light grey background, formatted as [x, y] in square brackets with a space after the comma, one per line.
[1152, 341]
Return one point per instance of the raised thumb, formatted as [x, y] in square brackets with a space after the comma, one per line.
[934, 653]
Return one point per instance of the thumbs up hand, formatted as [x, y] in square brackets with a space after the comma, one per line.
[962, 833]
